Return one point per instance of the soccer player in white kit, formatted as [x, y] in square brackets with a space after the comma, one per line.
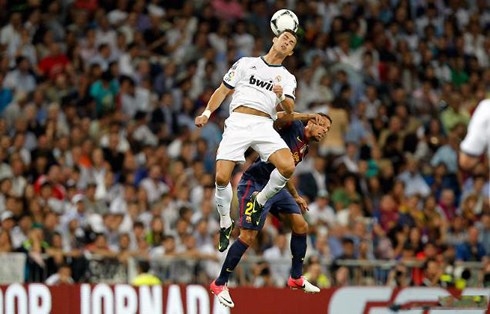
[260, 85]
[477, 138]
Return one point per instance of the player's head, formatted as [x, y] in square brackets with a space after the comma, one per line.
[316, 132]
[143, 267]
[285, 42]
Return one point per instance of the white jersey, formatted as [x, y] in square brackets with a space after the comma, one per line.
[477, 138]
[253, 79]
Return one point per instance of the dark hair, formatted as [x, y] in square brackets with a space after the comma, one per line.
[290, 31]
[347, 241]
[184, 210]
[326, 116]
[19, 60]
[102, 46]
[138, 224]
[106, 76]
[64, 265]
[144, 266]
[125, 78]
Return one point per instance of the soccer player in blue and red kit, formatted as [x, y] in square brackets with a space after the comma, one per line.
[297, 130]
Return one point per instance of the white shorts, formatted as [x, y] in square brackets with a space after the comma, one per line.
[245, 130]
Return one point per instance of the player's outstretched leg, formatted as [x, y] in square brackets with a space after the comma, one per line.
[298, 252]
[223, 197]
[218, 287]
[284, 163]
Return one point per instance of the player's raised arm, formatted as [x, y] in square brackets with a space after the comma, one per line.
[214, 102]
[229, 80]
[284, 118]
[475, 142]
[286, 103]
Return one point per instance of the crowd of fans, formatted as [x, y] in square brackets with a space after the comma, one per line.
[100, 155]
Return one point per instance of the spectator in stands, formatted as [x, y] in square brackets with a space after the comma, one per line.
[278, 251]
[20, 234]
[21, 79]
[343, 196]
[320, 213]
[484, 228]
[144, 278]
[456, 234]
[315, 275]
[446, 206]
[63, 276]
[471, 250]
[412, 179]
[432, 273]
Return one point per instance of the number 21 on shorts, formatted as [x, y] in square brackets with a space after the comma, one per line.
[248, 212]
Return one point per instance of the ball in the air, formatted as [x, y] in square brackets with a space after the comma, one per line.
[282, 20]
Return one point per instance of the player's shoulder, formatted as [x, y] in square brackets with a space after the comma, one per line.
[243, 63]
[246, 60]
[482, 111]
[298, 126]
[484, 105]
[294, 127]
[289, 75]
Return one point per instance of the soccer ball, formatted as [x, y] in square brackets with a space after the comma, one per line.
[282, 20]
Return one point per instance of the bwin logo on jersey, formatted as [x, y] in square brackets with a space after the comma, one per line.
[259, 83]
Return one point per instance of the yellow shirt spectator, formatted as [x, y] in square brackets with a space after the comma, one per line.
[146, 280]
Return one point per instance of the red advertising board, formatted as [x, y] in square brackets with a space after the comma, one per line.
[190, 299]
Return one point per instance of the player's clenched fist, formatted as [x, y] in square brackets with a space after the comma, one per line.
[277, 89]
[201, 121]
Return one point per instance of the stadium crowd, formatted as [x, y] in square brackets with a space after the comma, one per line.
[100, 155]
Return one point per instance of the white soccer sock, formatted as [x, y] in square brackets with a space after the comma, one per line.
[276, 183]
[223, 196]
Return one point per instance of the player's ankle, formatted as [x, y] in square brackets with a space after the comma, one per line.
[220, 282]
[225, 221]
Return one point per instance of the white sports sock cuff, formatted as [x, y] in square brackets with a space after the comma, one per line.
[282, 177]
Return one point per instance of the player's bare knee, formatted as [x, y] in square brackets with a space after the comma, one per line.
[287, 170]
[222, 178]
[300, 227]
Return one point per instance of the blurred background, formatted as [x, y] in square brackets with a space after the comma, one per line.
[102, 165]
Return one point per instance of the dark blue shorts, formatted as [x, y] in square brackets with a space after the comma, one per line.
[282, 203]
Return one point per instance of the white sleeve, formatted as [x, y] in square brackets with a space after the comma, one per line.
[289, 87]
[234, 74]
[476, 140]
